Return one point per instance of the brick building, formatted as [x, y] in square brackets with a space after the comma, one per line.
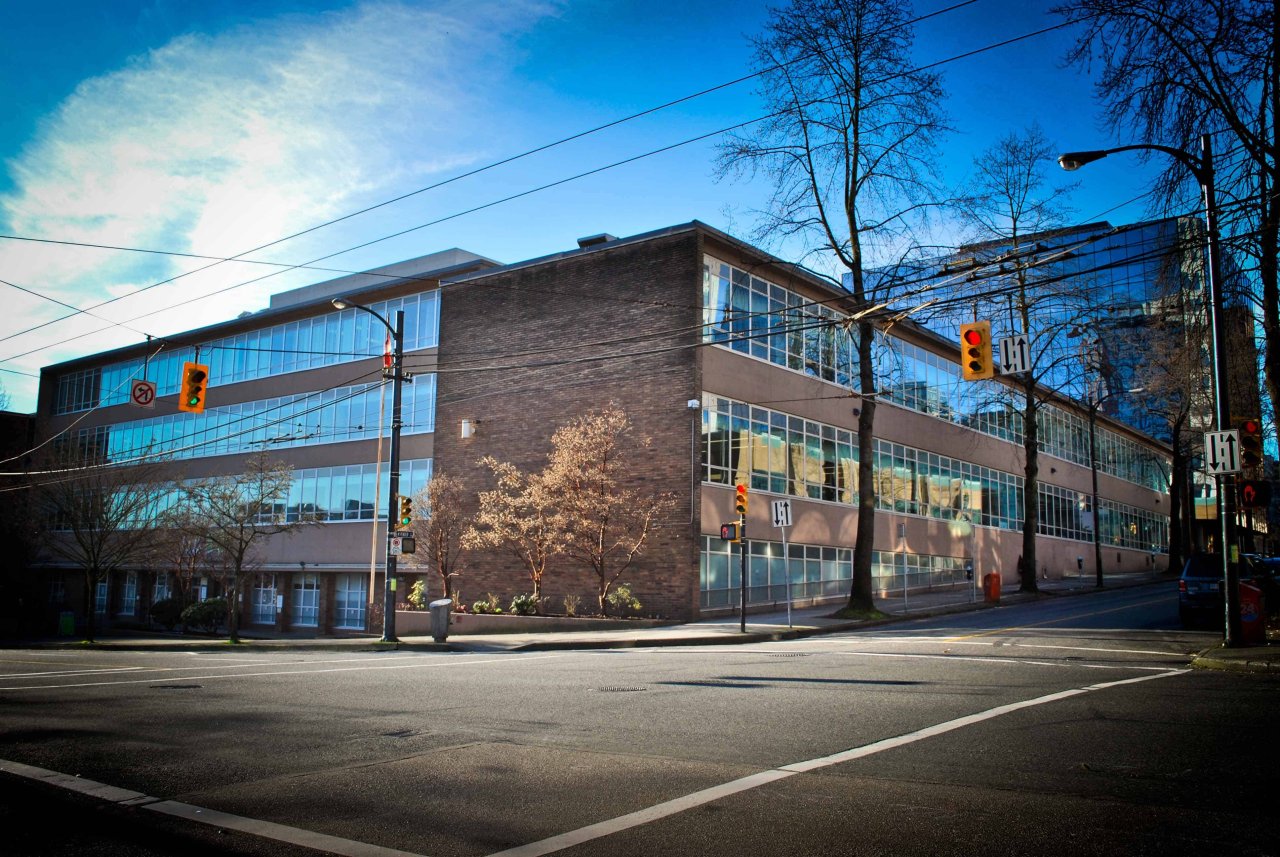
[736, 366]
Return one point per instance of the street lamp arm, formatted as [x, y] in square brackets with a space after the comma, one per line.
[343, 303]
[1070, 161]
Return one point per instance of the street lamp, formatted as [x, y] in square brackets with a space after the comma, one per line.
[1202, 169]
[397, 376]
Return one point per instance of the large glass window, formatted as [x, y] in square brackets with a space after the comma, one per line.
[306, 600]
[294, 346]
[306, 419]
[129, 594]
[349, 601]
[264, 600]
[813, 571]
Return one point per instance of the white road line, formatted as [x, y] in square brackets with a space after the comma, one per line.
[672, 807]
[255, 827]
[366, 667]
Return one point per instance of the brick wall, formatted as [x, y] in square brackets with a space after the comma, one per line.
[517, 357]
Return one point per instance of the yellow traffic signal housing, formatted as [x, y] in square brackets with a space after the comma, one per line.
[406, 512]
[1251, 443]
[976, 359]
[192, 389]
[740, 503]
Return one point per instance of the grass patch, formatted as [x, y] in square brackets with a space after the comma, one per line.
[859, 615]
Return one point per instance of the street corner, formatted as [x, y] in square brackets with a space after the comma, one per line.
[1251, 659]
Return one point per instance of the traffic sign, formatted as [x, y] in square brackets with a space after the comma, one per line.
[142, 394]
[1015, 354]
[781, 513]
[1222, 451]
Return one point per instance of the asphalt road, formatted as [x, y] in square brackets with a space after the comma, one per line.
[1065, 726]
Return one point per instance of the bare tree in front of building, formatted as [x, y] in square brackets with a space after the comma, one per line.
[440, 528]
[595, 463]
[99, 516]
[846, 144]
[518, 515]
[1010, 204]
[234, 515]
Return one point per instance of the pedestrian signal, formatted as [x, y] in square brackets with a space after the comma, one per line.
[729, 532]
[191, 390]
[976, 360]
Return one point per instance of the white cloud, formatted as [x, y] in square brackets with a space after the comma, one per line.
[213, 144]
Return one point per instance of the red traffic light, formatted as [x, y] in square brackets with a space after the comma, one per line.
[972, 337]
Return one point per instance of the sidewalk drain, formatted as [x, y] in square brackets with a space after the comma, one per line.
[619, 689]
[175, 686]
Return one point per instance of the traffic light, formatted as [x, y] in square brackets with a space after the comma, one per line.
[1251, 443]
[729, 532]
[740, 504]
[195, 382]
[406, 512]
[976, 361]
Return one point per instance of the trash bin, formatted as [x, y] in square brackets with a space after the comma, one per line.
[1253, 615]
[66, 624]
[440, 609]
[991, 587]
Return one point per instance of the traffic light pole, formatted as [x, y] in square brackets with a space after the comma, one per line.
[742, 574]
[397, 382]
[1202, 169]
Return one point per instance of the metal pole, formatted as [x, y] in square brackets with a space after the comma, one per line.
[786, 572]
[1097, 512]
[742, 574]
[389, 584]
[1222, 384]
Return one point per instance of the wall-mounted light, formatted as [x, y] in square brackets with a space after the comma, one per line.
[694, 404]
[468, 428]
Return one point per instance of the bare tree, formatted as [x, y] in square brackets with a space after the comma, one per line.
[100, 516]
[439, 532]
[1172, 70]
[604, 520]
[1013, 208]
[234, 514]
[519, 515]
[846, 147]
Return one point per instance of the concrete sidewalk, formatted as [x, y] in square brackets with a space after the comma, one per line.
[722, 630]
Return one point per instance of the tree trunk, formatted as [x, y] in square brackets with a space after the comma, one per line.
[860, 591]
[1031, 490]
[90, 611]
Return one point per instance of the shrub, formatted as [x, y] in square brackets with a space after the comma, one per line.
[207, 615]
[571, 604]
[167, 612]
[524, 605]
[417, 596]
[622, 600]
[489, 604]
[458, 606]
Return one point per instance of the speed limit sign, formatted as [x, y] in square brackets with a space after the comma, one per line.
[142, 394]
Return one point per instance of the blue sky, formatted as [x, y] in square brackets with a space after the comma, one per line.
[211, 128]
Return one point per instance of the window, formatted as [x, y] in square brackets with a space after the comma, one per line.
[100, 598]
[349, 601]
[57, 591]
[264, 600]
[163, 587]
[129, 594]
[306, 600]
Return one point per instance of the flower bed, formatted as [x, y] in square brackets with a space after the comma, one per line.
[417, 623]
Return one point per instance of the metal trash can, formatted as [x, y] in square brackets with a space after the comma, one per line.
[440, 609]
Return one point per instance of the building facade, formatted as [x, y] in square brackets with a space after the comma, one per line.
[734, 366]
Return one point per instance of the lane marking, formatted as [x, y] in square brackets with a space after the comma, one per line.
[365, 668]
[1071, 618]
[255, 827]
[699, 798]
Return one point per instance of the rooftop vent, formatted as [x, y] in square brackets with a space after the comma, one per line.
[596, 240]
